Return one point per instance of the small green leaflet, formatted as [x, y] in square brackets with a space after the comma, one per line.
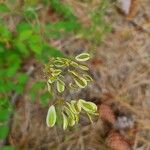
[51, 116]
[60, 86]
[83, 57]
[3, 131]
[4, 8]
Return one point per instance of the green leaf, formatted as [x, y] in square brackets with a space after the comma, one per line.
[23, 26]
[65, 25]
[4, 114]
[22, 78]
[36, 47]
[51, 116]
[22, 47]
[8, 148]
[11, 71]
[62, 9]
[4, 8]
[19, 88]
[5, 34]
[81, 82]
[60, 86]
[38, 85]
[3, 131]
[45, 98]
[47, 52]
[24, 35]
[83, 57]
[65, 121]
[35, 88]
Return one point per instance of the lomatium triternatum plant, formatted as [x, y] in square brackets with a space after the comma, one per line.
[63, 75]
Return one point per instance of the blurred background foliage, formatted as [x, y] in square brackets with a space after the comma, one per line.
[24, 36]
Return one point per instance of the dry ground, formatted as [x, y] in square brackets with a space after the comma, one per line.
[121, 70]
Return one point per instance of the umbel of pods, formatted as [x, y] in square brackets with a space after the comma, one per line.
[56, 72]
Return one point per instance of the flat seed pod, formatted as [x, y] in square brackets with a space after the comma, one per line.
[83, 57]
[87, 78]
[59, 63]
[73, 73]
[71, 107]
[49, 87]
[66, 61]
[65, 121]
[60, 86]
[76, 118]
[73, 86]
[81, 82]
[71, 121]
[93, 105]
[51, 116]
[51, 80]
[88, 106]
[74, 64]
[74, 107]
[83, 67]
[90, 118]
[69, 112]
[79, 106]
[56, 72]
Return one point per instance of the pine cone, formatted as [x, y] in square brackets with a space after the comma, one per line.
[116, 142]
[106, 113]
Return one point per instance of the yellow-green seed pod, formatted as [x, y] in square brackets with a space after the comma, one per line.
[83, 67]
[60, 86]
[65, 121]
[87, 77]
[69, 112]
[88, 106]
[81, 82]
[71, 121]
[51, 116]
[83, 57]
[49, 87]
